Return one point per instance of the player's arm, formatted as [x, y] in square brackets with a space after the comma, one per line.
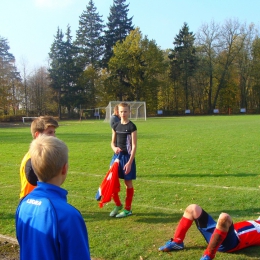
[116, 149]
[74, 240]
[30, 174]
[128, 165]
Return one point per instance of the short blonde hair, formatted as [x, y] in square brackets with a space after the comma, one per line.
[41, 123]
[124, 104]
[48, 155]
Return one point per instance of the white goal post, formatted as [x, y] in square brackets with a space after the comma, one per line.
[137, 110]
[30, 119]
[92, 112]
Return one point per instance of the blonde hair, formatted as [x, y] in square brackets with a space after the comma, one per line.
[48, 155]
[124, 104]
[116, 110]
[41, 123]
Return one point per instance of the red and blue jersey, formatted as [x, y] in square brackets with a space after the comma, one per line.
[248, 233]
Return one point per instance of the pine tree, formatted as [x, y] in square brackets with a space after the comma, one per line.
[89, 38]
[183, 60]
[64, 70]
[119, 26]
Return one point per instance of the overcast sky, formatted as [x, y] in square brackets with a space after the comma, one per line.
[30, 25]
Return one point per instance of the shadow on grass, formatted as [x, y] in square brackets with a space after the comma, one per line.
[149, 218]
[4, 216]
[164, 218]
[249, 251]
[252, 251]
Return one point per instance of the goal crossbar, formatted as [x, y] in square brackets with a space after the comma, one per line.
[137, 110]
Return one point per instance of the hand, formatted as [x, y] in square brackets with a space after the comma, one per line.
[127, 168]
[117, 150]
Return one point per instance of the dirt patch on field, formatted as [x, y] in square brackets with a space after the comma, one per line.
[9, 251]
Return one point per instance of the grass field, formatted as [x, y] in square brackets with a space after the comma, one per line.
[211, 160]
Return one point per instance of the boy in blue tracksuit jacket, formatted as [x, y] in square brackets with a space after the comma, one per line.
[47, 227]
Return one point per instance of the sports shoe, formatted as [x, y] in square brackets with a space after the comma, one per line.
[114, 212]
[124, 213]
[171, 246]
[205, 257]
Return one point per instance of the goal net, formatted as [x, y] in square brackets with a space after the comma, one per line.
[97, 113]
[137, 110]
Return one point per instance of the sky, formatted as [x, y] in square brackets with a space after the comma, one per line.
[30, 25]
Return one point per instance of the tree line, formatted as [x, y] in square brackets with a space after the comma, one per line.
[215, 69]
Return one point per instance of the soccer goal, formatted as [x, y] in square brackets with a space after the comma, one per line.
[137, 109]
[96, 113]
[28, 119]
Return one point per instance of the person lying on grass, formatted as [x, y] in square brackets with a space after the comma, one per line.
[222, 236]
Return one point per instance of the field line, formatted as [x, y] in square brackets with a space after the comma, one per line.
[170, 182]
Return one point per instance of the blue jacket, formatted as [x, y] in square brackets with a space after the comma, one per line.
[48, 228]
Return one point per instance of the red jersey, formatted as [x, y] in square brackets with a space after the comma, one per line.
[248, 233]
[109, 185]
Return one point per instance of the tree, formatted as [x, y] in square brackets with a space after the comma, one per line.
[9, 79]
[134, 69]
[89, 37]
[254, 98]
[56, 71]
[230, 43]
[208, 40]
[40, 94]
[87, 84]
[65, 71]
[119, 26]
[244, 62]
[166, 97]
[183, 59]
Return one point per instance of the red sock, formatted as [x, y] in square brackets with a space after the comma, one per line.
[182, 229]
[216, 240]
[129, 198]
[117, 199]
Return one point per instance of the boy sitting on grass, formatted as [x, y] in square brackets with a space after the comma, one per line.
[47, 227]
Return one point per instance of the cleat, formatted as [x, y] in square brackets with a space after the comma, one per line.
[124, 213]
[171, 246]
[205, 257]
[114, 212]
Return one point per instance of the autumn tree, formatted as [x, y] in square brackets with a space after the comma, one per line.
[167, 99]
[207, 41]
[254, 97]
[39, 93]
[134, 69]
[230, 43]
[9, 79]
[87, 83]
[244, 63]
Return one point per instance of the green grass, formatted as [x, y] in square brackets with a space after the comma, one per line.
[212, 161]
